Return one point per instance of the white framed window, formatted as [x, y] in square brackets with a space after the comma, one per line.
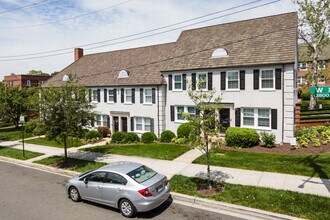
[128, 95]
[303, 66]
[267, 79]
[321, 79]
[232, 80]
[101, 120]
[177, 82]
[256, 118]
[28, 83]
[94, 95]
[148, 96]
[301, 80]
[111, 95]
[179, 110]
[202, 81]
[105, 120]
[98, 120]
[142, 124]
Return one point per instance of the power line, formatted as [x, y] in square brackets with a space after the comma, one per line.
[70, 18]
[37, 4]
[137, 34]
[191, 53]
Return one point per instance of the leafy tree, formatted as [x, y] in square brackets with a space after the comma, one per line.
[64, 111]
[314, 21]
[54, 73]
[37, 73]
[206, 126]
[15, 101]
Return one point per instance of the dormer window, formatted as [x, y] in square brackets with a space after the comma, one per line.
[123, 74]
[219, 53]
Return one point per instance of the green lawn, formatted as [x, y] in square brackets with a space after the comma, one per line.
[73, 164]
[53, 143]
[280, 201]
[157, 151]
[17, 154]
[12, 134]
[306, 165]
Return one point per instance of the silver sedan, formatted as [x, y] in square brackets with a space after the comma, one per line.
[130, 187]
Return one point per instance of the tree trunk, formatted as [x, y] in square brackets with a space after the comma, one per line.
[208, 162]
[312, 102]
[65, 150]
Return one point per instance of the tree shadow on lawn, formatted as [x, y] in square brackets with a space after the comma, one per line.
[318, 169]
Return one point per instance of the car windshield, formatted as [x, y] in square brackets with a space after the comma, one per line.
[142, 174]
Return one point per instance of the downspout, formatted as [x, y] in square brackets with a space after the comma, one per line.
[283, 105]
[158, 121]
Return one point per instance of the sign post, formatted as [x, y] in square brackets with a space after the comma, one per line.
[22, 121]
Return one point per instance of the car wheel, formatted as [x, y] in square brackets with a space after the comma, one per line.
[126, 208]
[74, 194]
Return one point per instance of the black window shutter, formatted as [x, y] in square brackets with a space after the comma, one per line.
[90, 95]
[133, 95]
[152, 127]
[153, 95]
[98, 95]
[209, 80]
[278, 78]
[193, 81]
[122, 93]
[184, 82]
[170, 82]
[255, 79]
[274, 118]
[223, 81]
[132, 123]
[108, 122]
[238, 117]
[172, 112]
[242, 79]
[105, 95]
[115, 95]
[141, 95]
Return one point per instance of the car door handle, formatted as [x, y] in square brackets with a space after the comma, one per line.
[98, 187]
[119, 189]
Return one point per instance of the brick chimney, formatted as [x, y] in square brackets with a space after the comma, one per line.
[78, 53]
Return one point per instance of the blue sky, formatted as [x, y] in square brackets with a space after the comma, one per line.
[37, 26]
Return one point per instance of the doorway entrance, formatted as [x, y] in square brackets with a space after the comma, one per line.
[116, 123]
[224, 118]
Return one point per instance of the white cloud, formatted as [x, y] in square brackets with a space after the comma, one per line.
[132, 17]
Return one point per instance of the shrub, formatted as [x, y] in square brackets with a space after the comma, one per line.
[305, 95]
[184, 130]
[92, 134]
[118, 137]
[179, 140]
[131, 137]
[148, 137]
[31, 125]
[103, 131]
[268, 139]
[167, 136]
[241, 137]
[39, 130]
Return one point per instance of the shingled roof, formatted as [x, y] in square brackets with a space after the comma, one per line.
[102, 69]
[260, 41]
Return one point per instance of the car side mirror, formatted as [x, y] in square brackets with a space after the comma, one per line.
[86, 180]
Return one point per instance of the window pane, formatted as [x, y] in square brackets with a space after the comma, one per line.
[148, 96]
[232, 75]
[248, 121]
[128, 95]
[267, 83]
[202, 81]
[248, 112]
[263, 113]
[263, 122]
[191, 110]
[180, 110]
[138, 123]
[267, 74]
[98, 120]
[233, 85]
[94, 97]
[105, 120]
[111, 95]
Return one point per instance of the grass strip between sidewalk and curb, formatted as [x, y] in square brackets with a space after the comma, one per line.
[279, 201]
[156, 151]
[53, 143]
[307, 165]
[18, 154]
[72, 164]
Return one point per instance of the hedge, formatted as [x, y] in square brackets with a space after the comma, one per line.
[241, 137]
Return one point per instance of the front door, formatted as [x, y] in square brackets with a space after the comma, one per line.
[124, 124]
[224, 119]
[116, 123]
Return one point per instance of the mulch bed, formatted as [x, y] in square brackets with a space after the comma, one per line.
[284, 149]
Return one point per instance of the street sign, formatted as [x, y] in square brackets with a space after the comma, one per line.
[21, 119]
[321, 92]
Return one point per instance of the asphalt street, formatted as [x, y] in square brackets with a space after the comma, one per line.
[27, 193]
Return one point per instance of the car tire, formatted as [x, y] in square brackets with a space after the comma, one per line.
[126, 208]
[74, 194]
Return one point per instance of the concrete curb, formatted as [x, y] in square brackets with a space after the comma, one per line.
[240, 212]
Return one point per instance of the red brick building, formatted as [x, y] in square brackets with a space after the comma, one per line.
[25, 80]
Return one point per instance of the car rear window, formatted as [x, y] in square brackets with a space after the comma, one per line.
[142, 174]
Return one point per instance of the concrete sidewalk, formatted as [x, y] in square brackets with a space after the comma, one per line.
[183, 166]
